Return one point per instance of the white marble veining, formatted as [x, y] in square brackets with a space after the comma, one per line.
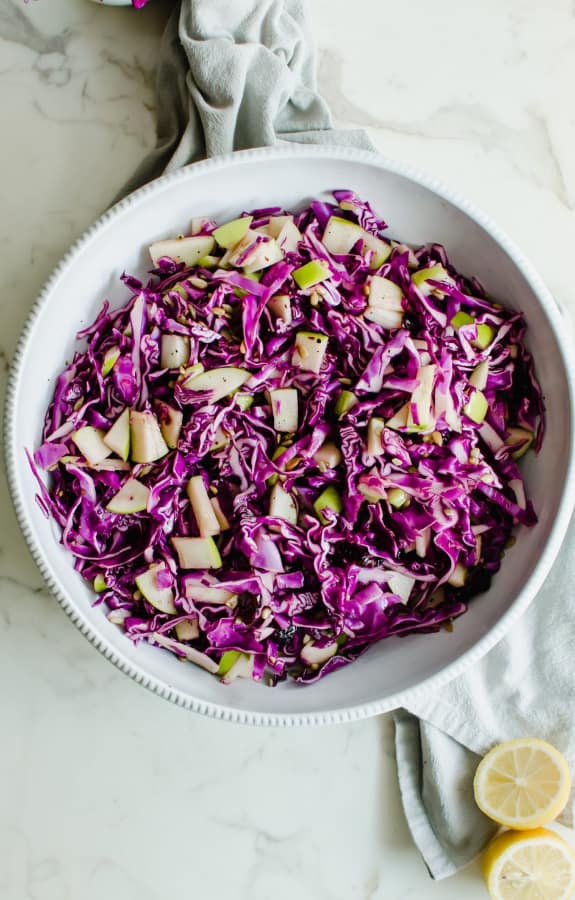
[107, 791]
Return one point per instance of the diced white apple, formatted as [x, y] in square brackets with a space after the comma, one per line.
[458, 576]
[199, 224]
[379, 249]
[328, 456]
[161, 599]
[340, 235]
[420, 413]
[400, 419]
[221, 440]
[383, 317]
[174, 351]
[118, 437]
[375, 428]
[231, 233]
[146, 440]
[312, 655]
[479, 376]
[131, 498]
[187, 630]
[264, 254]
[309, 350]
[197, 552]
[204, 589]
[385, 293]
[289, 237]
[206, 519]
[284, 402]
[401, 585]
[90, 442]
[171, 420]
[220, 515]
[422, 278]
[282, 504]
[276, 223]
[108, 465]
[280, 307]
[422, 542]
[187, 250]
[217, 383]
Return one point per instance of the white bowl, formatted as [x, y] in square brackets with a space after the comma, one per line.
[418, 210]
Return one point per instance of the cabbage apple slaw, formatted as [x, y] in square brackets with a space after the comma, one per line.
[296, 438]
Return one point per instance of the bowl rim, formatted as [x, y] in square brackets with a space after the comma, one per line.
[450, 670]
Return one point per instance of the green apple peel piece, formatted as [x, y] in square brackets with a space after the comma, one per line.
[118, 437]
[132, 497]
[161, 599]
[328, 499]
[312, 273]
[146, 440]
[520, 438]
[174, 351]
[100, 584]
[397, 498]
[197, 552]
[206, 519]
[485, 336]
[476, 407]
[229, 657]
[244, 401]
[344, 403]
[111, 357]
[187, 250]
[217, 383]
[461, 318]
[433, 273]
[309, 350]
[90, 442]
[231, 233]
[284, 403]
[379, 249]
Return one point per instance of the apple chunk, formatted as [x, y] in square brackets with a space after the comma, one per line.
[118, 437]
[131, 498]
[162, 598]
[197, 552]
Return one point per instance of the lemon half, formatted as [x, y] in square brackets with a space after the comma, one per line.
[529, 865]
[523, 783]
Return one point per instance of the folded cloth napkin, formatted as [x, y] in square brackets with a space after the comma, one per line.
[525, 687]
[241, 74]
[234, 75]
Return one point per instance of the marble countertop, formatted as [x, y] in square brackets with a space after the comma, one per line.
[106, 790]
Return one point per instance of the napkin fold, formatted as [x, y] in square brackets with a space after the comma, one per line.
[234, 75]
[524, 687]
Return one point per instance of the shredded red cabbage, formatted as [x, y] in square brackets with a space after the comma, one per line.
[294, 440]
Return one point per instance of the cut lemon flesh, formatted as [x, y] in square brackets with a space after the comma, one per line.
[523, 783]
[529, 865]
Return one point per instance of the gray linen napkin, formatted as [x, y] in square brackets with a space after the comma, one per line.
[235, 74]
[241, 74]
[525, 687]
